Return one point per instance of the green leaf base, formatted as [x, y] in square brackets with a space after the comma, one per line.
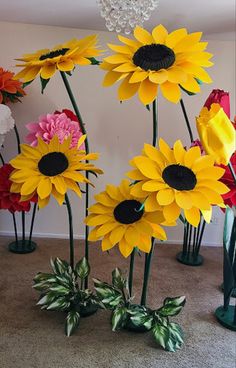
[226, 317]
[233, 295]
[130, 326]
[88, 310]
[189, 260]
[22, 246]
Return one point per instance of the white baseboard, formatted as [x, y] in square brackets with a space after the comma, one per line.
[80, 237]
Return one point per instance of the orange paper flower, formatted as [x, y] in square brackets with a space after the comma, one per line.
[10, 90]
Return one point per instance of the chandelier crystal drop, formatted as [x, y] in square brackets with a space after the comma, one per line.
[124, 15]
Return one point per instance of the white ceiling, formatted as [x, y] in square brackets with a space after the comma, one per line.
[209, 16]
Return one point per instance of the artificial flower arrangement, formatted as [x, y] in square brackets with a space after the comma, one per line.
[51, 164]
[11, 91]
[165, 183]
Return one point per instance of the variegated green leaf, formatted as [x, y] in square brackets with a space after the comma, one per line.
[47, 299]
[118, 280]
[59, 304]
[172, 306]
[161, 334]
[60, 290]
[72, 322]
[82, 268]
[119, 317]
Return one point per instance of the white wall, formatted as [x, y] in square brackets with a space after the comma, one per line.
[116, 130]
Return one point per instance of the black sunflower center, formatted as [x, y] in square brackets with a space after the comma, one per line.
[128, 212]
[154, 57]
[52, 54]
[53, 163]
[179, 177]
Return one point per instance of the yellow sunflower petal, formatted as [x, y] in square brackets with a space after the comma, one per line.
[135, 175]
[132, 236]
[156, 217]
[120, 49]
[44, 188]
[147, 91]
[138, 76]
[106, 228]
[30, 185]
[99, 209]
[144, 227]
[192, 216]
[171, 212]
[137, 191]
[174, 37]
[43, 202]
[145, 243]
[212, 196]
[104, 199]
[159, 232]
[127, 90]
[191, 84]
[95, 220]
[191, 156]
[117, 234]
[154, 154]
[199, 200]
[106, 243]
[214, 173]
[159, 34]
[125, 68]
[124, 188]
[110, 78]
[147, 167]
[166, 150]
[125, 248]
[142, 35]
[158, 77]
[48, 71]
[59, 184]
[183, 200]
[187, 41]
[116, 59]
[165, 197]
[218, 186]
[171, 91]
[207, 214]
[114, 192]
[127, 41]
[203, 162]
[176, 75]
[179, 152]
[92, 235]
[66, 65]
[151, 204]
[153, 185]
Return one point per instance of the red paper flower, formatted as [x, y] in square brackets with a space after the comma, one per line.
[221, 97]
[10, 90]
[69, 114]
[11, 201]
[227, 178]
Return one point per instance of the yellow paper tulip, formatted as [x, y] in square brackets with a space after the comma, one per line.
[216, 133]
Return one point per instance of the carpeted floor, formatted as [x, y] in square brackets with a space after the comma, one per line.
[31, 338]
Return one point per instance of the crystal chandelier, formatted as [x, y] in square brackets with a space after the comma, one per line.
[124, 15]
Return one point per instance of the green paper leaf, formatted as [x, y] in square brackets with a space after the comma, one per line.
[172, 306]
[119, 317]
[82, 268]
[44, 83]
[72, 322]
[175, 337]
[25, 84]
[60, 304]
[161, 334]
[94, 61]
[47, 299]
[60, 290]
[118, 280]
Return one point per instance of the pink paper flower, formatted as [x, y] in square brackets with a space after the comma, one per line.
[221, 97]
[197, 143]
[55, 124]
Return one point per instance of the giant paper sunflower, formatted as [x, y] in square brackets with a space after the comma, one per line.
[169, 61]
[50, 169]
[119, 218]
[177, 179]
[62, 57]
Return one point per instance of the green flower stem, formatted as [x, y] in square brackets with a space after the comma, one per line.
[148, 257]
[77, 112]
[186, 120]
[22, 213]
[32, 222]
[131, 271]
[200, 239]
[2, 159]
[72, 256]
[15, 227]
[155, 125]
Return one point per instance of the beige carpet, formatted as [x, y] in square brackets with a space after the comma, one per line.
[31, 338]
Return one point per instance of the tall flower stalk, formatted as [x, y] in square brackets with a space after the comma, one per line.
[82, 126]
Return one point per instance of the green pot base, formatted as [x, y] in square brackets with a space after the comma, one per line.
[88, 310]
[233, 295]
[226, 317]
[189, 260]
[22, 246]
[129, 326]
